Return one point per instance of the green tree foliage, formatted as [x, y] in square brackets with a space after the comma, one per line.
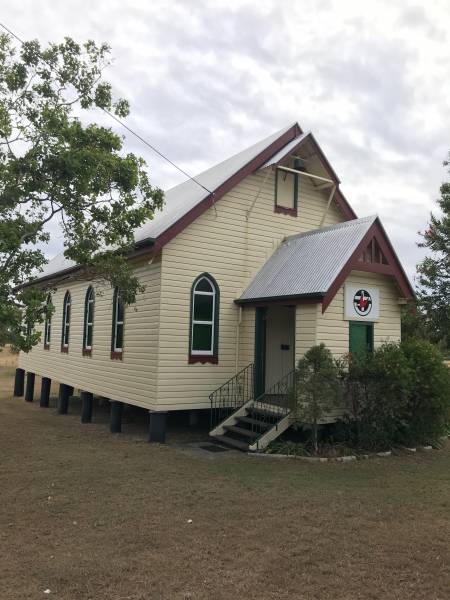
[434, 272]
[428, 408]
[318, 388]
[53, 166]
[414, 325]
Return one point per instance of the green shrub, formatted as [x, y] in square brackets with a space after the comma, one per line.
[398, 394]
[428, 409]
[378, 390]
[318, 388]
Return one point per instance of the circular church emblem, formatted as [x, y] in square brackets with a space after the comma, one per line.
[362, 303]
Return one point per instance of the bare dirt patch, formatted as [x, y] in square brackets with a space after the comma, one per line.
[90, 515]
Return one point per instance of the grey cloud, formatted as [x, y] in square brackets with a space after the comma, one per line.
[207, 79]
[417, 17]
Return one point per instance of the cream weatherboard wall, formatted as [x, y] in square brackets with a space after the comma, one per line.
[330, 328]
[306, 318]
[230, 241]
[132, 380]
[334, 331]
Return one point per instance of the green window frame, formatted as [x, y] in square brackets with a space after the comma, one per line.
[48, 322]
[204, 320]
[65, 335]
[88, 327]
[259, 377]
[118, 325]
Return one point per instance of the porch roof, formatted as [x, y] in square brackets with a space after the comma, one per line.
[306, 265]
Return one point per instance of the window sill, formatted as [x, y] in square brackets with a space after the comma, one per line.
[283, 210]
[65, 349]
[203, 358]
[87, 351]
[116, 355]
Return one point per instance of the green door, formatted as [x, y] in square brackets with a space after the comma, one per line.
[360, 337]
[259, 374]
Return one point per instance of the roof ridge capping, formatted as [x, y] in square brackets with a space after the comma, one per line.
[286, 148]
[351, 223]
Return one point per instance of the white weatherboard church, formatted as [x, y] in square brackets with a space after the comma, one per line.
[239, 284]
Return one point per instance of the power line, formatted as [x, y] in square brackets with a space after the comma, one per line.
[110, 114]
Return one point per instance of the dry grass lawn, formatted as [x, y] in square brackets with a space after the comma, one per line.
[90, 515]
[7, 358]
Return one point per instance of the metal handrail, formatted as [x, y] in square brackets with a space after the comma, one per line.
[230, 396]
[275, 403]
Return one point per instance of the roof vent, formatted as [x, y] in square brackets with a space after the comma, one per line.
[299, 164]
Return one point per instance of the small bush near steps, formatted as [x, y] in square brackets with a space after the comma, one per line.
[317, 389]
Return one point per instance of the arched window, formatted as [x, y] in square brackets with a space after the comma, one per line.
[88, 320]
[48, 322]
[117, 325]
[66, 323]
[204, 327]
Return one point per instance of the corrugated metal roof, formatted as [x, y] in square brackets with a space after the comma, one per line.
[285, 151]
[180, 199]
[307, 264]
[56, 265]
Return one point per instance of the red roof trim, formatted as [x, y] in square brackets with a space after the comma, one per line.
[394, 267]
[230, 183]
[339, 197]
[323, 158]
[343, 204]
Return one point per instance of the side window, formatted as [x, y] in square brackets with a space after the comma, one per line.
[117, 325]
[88, 321]
[48, 322]
[286, 192]
[66, 323]
[204, 325]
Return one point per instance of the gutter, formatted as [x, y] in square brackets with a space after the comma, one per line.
[140, 248]
[313, 296]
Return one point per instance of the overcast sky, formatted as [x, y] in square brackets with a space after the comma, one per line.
[207, 79]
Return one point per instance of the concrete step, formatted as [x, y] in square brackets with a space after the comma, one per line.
[228, 441]
[264, 415]
[256, 422]
[241, 431]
